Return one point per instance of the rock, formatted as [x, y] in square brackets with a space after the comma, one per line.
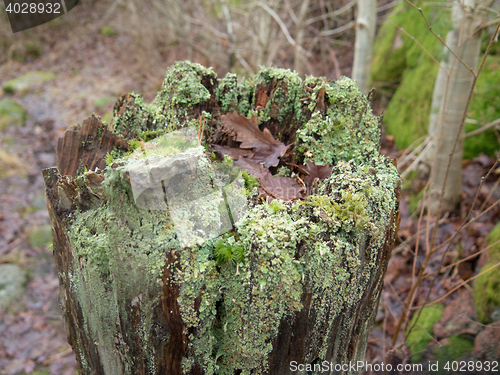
[26, 82]
[11, 114]
[486, 345]
[458, 318]
[12, 283]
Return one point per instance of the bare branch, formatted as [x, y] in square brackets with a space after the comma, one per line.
[339, 30]
[282, 26]
[483, 128]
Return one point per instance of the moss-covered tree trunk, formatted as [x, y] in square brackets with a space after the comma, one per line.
[282, 285]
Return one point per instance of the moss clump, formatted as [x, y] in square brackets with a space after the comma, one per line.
[399, 60]
[250, 181]
[456, 347]
[487, 286]
[26, 82]
[40, 236]
[421, 335]
[11, 114]
[109, 31]
[484, 108]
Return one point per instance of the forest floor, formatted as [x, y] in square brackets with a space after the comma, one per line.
[90, 71]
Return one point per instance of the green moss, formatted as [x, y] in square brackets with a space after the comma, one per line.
[456, 347]
[422, 333]
[399, 60]
[351, 207]
[227, 252]
[40, 236]
[494, 251]
[414, 201]
[26, 82]
[11, 114]
[101, 102]
[484, 108]
[109, 31]
[250, 181]
[487, 286]
[487, 294]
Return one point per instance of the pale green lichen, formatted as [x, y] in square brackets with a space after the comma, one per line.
[347, 131]
[236, 289]
[287, 86]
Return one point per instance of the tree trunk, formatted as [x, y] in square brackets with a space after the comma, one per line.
[365, 34]
[299, 55]
[139, 299]
[450, 99]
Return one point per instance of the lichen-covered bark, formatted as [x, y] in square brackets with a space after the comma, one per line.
[307, 277]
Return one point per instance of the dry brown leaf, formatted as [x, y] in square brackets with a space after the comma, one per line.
[270, 157]
[233, 152]
[255, 169]
[279, 187]
[316, 172]
[248, 132]
[267, 150]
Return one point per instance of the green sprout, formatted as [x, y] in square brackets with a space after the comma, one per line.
[226, 252]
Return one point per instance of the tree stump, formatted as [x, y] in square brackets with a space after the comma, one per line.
[262, 290]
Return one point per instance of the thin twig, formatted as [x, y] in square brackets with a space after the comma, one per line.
[454, 264]
[483, 128]
[418, 43]
[339, 30]
[457, 286]
[282, 26]
[439, 37]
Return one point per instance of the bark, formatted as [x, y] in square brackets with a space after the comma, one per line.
[137, 301]
[452, 90]
[365, 33]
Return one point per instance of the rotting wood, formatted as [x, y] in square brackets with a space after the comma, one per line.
[299, 282]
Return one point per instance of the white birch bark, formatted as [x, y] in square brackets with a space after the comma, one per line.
[452, 90]
[365, 32]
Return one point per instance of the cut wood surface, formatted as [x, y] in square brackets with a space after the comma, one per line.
[211, 278]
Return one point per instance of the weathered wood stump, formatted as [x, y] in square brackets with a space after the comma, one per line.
[286, 283]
